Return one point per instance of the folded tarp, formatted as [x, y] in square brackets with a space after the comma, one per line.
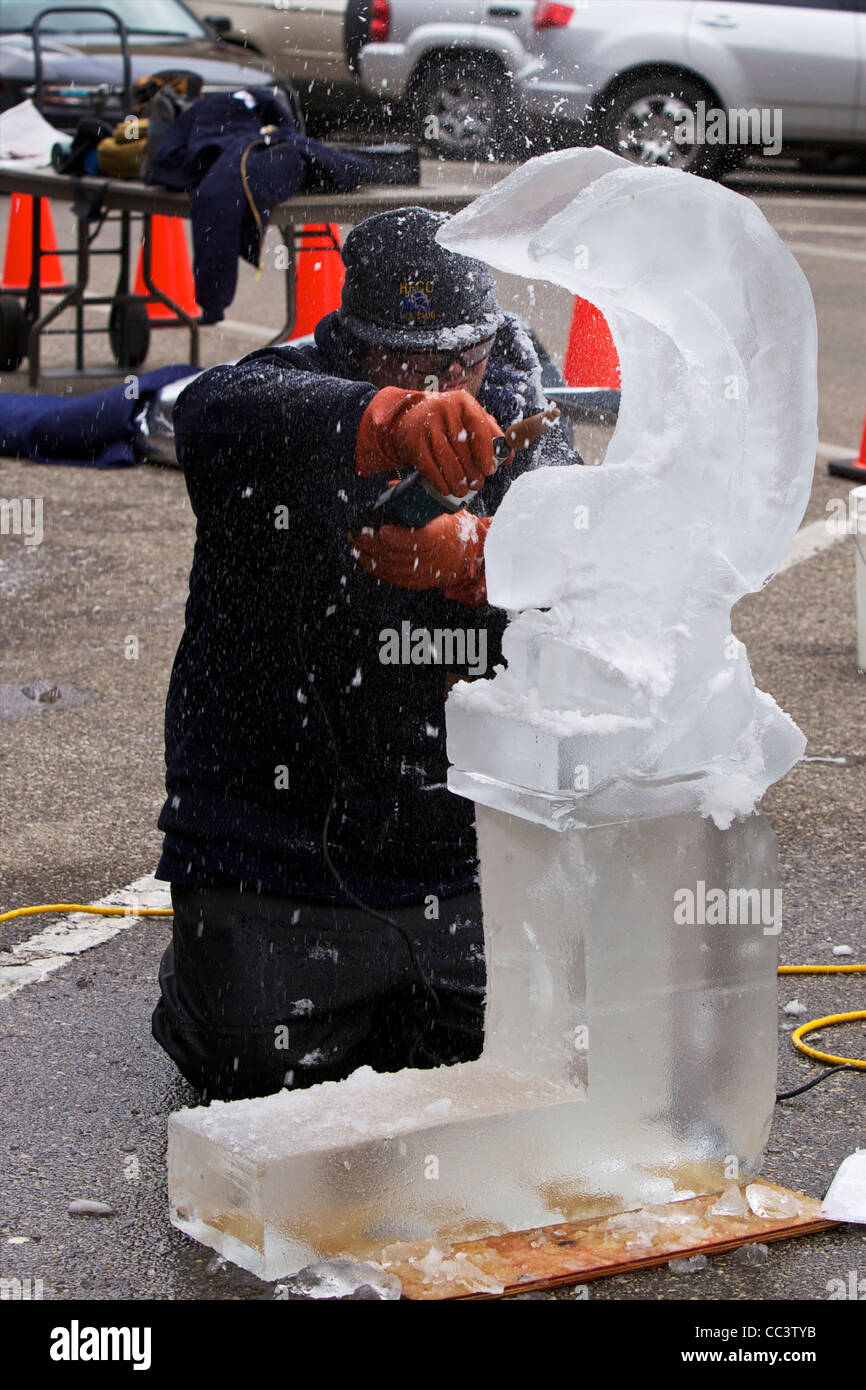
[97, 431]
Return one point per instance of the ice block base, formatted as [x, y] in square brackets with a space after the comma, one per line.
[448, 1154]
[629, 1061]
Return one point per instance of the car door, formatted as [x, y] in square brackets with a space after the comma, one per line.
[797, 55]
[316, 44]
[305, 40]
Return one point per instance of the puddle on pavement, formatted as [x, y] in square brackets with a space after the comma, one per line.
[40, 697]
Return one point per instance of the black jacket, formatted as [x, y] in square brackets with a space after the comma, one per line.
[276, 603]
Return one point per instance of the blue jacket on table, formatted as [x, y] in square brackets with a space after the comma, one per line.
[277, 602]
[203, 152]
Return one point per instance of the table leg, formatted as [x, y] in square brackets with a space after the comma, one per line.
[287, 232]
[72, 296]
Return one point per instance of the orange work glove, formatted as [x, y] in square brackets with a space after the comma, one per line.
[448, 437]
[446, 554]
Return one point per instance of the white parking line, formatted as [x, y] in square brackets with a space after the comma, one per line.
[32, 961]
[809, 541]
[834, 451]
[834, 253]
[828, 200]
[832, 229]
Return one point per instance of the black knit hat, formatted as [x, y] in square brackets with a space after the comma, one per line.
[404, 290]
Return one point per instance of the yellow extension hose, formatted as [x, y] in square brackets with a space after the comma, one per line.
[816, 1023]
[796, 1037]
[82, 907]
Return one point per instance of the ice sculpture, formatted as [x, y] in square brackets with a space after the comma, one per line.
[628, 696]
[627, 877]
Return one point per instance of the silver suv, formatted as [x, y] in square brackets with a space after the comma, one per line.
[641, 78]
[448, 67]
[456, 66]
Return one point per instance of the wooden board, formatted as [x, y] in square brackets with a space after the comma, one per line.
[578, 1251]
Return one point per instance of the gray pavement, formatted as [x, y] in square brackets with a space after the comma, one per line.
[86, 1092]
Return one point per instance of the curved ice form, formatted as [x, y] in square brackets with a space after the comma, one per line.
[626, 694]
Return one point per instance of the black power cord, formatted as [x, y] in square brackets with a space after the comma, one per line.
[816, 1081]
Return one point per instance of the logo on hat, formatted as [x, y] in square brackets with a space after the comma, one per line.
[416, 303]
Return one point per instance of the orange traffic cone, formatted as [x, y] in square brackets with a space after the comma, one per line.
[19, 244]
[170, 269]
[319, 275]
[855, 469]
[590, 358]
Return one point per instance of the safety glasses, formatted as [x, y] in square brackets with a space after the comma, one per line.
[437, 363]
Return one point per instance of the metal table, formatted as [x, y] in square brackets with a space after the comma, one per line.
[100, 200]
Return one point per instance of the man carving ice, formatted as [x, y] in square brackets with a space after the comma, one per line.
[323, 877]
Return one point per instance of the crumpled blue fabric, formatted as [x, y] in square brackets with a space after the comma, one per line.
[96, 431]
[202, 153]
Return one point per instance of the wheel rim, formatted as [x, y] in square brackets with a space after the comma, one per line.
[466, 112]
[645, 131]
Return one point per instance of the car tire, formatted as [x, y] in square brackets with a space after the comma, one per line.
[129, 333]
[462, 107]
[638, 118]
[13, 333]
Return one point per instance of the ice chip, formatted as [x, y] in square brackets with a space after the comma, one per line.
[846, 1196]
[731, 1203]
[477, 1280]
[768, 1202]
[794, 1008]
[692, 1265]
[431, 1263]
[842, 951]
[438, 1268]
[343, 1279]
[754, 1253]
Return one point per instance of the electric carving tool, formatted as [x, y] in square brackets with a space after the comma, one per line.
[414, 501]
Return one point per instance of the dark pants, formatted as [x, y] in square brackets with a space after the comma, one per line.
[261, 992]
